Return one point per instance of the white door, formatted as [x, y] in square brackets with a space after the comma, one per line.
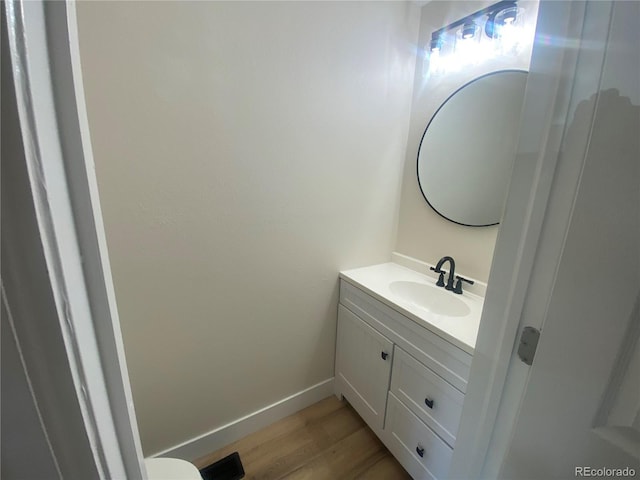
[581, 405]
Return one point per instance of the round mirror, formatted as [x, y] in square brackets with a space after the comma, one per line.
[467, 150]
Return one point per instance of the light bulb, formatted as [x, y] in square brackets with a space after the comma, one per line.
[435, 61]
[509, 31]
[436, 44]
[468, 30]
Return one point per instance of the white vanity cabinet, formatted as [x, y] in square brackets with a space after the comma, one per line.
[404, 380]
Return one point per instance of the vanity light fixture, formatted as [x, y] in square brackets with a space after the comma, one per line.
[485, 33]
[468, 23]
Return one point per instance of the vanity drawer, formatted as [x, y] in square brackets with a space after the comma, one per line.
[427, 395]
[420, 451]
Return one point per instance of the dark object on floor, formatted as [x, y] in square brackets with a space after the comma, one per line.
[229, 468]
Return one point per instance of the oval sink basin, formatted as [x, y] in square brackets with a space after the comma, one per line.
[430, 297]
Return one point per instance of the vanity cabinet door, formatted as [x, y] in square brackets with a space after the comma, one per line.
[363, 367]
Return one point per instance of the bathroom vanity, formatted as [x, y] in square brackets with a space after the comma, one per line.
[403, 355]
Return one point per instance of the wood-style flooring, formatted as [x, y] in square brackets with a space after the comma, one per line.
[327, 440]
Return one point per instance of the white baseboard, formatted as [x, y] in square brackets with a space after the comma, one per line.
[229, 433]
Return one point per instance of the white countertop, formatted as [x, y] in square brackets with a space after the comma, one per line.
[375, 280]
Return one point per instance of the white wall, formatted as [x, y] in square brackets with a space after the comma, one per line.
[422, 233]
[246, 152]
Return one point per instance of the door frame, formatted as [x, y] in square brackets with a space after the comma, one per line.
[45, 64]
[566, 67]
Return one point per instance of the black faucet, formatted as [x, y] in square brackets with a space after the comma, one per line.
[438, 269]
[452, 275]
